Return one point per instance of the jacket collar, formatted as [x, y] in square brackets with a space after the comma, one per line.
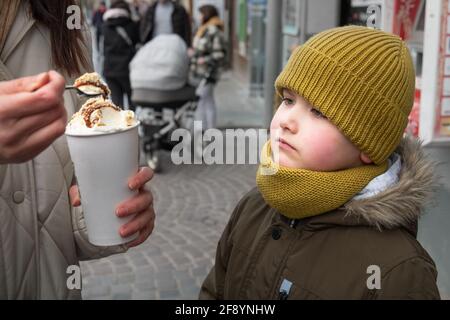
[383, 181]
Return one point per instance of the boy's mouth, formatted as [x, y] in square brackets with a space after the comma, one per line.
[284, 144]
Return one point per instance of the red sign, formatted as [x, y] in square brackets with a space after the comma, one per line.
[405, 13]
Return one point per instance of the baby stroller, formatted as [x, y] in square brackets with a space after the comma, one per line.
[160, 91]
[160, 113]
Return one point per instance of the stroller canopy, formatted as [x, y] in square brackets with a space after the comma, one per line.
[162, 64]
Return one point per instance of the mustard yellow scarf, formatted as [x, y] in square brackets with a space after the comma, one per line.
[300, 193]
[214, 21]
[8, 12]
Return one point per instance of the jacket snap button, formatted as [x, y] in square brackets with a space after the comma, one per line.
[18, 197]
[276, 233]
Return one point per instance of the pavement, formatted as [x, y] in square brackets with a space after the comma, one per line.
[192, 205]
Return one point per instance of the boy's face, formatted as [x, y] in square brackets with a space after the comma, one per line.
[303, 138]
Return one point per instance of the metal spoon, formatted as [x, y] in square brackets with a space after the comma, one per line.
[82, 93]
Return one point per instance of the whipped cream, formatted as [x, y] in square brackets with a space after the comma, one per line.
[99, 116]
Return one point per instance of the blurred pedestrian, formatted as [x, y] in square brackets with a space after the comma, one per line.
[166, 17]
[121, 34]
[97, 23]
[138, 9]
[42, 227]
[207, 57]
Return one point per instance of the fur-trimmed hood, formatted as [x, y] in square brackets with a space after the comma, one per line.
[115, 13]
[400, 205]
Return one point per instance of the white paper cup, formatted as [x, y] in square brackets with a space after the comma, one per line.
[103, 164]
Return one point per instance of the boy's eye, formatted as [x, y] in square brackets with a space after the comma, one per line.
[317, 113]
[288, 101]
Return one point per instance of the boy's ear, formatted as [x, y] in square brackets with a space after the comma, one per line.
[365, 159]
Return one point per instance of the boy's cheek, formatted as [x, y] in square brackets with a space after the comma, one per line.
[315, 156]
[319, 149]
[331, 153]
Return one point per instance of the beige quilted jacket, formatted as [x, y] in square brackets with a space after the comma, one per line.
[40, 234]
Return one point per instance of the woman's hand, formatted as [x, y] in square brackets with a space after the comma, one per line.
[141, 205]
[32, 115]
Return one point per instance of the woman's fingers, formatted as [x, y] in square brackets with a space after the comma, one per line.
[41, 139]
[74, 196]
[135, 205]
[25, 103]
[143, 235]
[27, 125]
[19, 148]
[138, 223]
[141, 205]
[143, 176]
[32, 115]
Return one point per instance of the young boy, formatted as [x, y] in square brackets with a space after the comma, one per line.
[337, 218]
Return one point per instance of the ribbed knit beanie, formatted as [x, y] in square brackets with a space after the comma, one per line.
[361, 79]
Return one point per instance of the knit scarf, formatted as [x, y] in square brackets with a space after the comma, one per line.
[300, 193]
[214, 21]
[8, 12]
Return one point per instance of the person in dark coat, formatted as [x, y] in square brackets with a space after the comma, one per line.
[121, 35]
[97, 22]
[340, 189]
[166, 17]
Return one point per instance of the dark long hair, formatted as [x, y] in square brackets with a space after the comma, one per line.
[67, 45]
[208, 11]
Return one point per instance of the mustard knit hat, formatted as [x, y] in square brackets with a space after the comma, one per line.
[361, 79]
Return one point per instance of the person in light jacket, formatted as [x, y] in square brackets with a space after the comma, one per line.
[42, 229]
[207, 57]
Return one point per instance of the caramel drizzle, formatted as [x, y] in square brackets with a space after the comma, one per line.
[88, 109]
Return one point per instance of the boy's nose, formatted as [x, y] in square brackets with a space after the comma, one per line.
[289, 123]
